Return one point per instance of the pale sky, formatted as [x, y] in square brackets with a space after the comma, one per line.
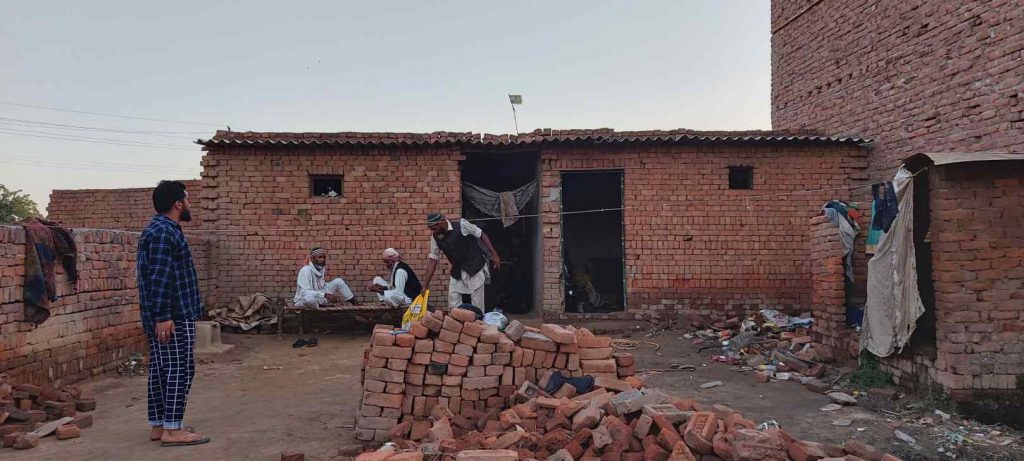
[409, 66]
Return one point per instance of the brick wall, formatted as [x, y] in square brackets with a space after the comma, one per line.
[692, 244]
[256, 203]
[828, 298]
[123, 209]
[915, 76]
[978, 273]
[90, 331]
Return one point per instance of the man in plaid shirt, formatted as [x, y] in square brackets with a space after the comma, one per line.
[169, 304]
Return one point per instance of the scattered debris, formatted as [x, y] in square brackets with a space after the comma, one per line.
[134, 366]
[711, 384]
[29, 413]
[271, 367]
[831, 407]
[904, 437]
[842, 398]
[842, 422]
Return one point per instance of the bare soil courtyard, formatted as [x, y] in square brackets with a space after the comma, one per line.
[309, 405]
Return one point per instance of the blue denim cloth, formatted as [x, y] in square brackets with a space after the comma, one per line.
[166, 275]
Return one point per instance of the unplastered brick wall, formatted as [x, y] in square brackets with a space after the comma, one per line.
[828, 298]
[693, 246]
[90, 330]
[919, 76]
[256, 203]
[459, 363]
[978, 272]
[977, 213]
[121, 209]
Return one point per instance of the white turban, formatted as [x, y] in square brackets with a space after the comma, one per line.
[392, 253]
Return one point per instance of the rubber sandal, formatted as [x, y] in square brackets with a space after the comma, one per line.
[312, 342]
[299, 343]
[187, 428]
[186, 444]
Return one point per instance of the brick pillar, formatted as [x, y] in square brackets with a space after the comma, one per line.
[828, 296]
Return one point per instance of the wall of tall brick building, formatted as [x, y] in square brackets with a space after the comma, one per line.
[914, 76]
[693, 246]
[123, 209]
[90, 330]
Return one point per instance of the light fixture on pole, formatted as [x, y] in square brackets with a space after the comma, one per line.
[515, 99]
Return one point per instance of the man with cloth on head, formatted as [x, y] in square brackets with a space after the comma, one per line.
[311, 289]
[461, 242]
[403, 286]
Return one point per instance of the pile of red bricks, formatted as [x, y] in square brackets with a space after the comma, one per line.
[29, 413]
[634, 425]
[458, 363]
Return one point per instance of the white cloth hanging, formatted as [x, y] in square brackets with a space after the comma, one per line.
[894, 302]
[508, 205]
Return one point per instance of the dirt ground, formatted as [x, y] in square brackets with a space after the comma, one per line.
[310, 404]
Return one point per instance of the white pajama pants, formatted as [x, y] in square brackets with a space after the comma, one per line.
[336, 287]
[455, 298]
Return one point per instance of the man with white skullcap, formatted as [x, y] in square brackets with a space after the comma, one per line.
[403, 285]
[311, 288]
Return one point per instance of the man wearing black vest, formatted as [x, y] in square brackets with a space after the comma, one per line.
[403, 285]
[460, 241]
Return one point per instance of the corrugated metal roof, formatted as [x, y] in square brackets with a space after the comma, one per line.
[947, 158]
[537, 137]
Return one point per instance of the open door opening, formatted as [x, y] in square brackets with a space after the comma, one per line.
[592, 241]
[486, 178]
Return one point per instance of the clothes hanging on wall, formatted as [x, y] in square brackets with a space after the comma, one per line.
[847, 234]
[894, 302]
[874, 235]
[887, 206]
[45, 243]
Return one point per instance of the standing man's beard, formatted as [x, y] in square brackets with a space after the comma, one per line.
[186, 215]
[319, 267]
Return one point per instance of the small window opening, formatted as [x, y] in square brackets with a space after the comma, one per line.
[741, 177]
[325, 186]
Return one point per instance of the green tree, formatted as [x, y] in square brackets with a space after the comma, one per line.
[15, 206]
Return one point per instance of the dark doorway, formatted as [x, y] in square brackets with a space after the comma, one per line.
[513, 287]
[592, 241]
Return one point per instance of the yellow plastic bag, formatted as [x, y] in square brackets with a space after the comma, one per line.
[416, 311]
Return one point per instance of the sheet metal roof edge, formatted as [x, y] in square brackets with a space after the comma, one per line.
[949, 158]
[508, 140]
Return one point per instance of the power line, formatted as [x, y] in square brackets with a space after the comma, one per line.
[86, 137]
[63, 126]
[101, 114]
[53, 161]
[66, 137]
[116, 169]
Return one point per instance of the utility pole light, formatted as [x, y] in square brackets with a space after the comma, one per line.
[515, 99]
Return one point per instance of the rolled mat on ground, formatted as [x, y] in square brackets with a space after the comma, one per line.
[245, 312]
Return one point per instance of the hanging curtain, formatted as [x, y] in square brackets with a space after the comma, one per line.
[507, 205]
[894, 302]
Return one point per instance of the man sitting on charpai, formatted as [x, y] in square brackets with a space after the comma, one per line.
[312, 291]
[403, 285]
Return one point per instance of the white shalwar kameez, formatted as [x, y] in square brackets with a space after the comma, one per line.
[311, 288]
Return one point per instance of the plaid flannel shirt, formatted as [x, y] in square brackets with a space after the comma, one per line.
[167, 279]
